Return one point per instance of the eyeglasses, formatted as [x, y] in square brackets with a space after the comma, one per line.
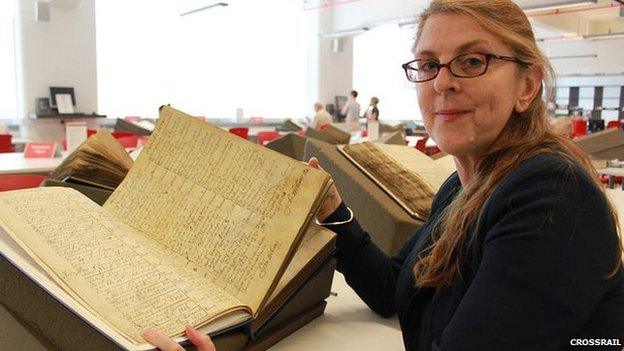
[462, 66]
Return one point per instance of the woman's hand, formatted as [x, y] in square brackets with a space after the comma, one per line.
[198, 339]
[332, 200]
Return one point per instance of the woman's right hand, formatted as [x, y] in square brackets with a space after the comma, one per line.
[332, 199]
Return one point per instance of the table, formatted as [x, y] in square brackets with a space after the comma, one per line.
[612, 172]
[348, 324]
[15, 163]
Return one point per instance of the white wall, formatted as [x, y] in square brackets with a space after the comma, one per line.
[60, 52]
[610, 58]
[336, 69]
[371, 12]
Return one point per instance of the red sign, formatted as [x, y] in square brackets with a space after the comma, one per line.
[256, 120]
[42, 150]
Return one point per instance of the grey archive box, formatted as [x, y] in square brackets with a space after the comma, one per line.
[388, 224]
[291, 145]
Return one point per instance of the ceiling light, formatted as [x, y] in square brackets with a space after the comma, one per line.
[562, 57]
[560, 38]
[560, 5]
[218, 4]
[344, 33]
[604, 36]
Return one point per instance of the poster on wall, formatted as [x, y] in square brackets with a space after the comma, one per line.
[64, 103]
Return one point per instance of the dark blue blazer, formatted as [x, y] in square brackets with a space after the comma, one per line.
[533, 280]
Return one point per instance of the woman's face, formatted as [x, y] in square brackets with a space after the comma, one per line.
[465, 115]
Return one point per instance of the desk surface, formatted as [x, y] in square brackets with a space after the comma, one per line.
[613, 171]
[348, 324]
[14, 162]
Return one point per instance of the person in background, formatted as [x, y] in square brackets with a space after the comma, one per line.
[352, 110]
[372, 113]
[322, 118]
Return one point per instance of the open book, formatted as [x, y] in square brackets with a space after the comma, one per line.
[100, 161]
[200, 232]
[410, 177]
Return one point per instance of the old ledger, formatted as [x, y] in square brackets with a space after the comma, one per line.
[100, 161]
[410, 177]
[199, 232]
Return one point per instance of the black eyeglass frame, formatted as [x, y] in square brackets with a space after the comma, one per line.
[488, 57]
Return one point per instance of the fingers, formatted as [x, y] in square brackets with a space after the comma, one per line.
[313, 162]
[200, 340]
[161, 341]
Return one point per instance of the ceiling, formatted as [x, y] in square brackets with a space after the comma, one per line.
[589, 21]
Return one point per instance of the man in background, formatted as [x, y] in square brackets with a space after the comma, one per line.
[322, 118]
[352, 110]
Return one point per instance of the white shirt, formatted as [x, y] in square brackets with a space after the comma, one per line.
[353, 111]
[321, 118]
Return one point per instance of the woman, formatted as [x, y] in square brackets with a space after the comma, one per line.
[372, 113]
[521, 250]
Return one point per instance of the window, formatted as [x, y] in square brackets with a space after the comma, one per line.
[208, 63]
[8, 96]
[377, 58]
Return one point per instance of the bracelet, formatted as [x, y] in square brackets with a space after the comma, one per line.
[339, 222]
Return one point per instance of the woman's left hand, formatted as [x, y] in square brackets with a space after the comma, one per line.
[159, 340]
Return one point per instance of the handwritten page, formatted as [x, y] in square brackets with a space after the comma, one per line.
[315, 240]
[409, 176]
[220, 202]
[117, 273]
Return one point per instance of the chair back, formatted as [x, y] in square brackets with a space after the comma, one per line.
[242, 132]
[6, 144]
[264, 137]
[20, 181]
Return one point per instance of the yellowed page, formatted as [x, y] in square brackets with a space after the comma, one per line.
[410, 177]
[315, 239]
[128, 279]
[223, 203]
[429, 170]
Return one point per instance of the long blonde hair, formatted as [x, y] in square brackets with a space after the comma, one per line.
[525, 135]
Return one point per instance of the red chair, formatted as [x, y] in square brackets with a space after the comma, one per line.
[242, 132]
[613, 124]
[118, 135]
[432, 150]
[421, 144]
[264, 137]
[579, 127]
[128, 141]
[132, 119]
[20, 181]
[142, 140]
[6, 143]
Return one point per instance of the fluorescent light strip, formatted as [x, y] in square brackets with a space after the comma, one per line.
[572, 57]
[219, 4]
[560, 5]
[344, 33]
[605, 36]
[560, 38]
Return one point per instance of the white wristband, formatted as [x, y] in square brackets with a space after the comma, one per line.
[339, 222]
